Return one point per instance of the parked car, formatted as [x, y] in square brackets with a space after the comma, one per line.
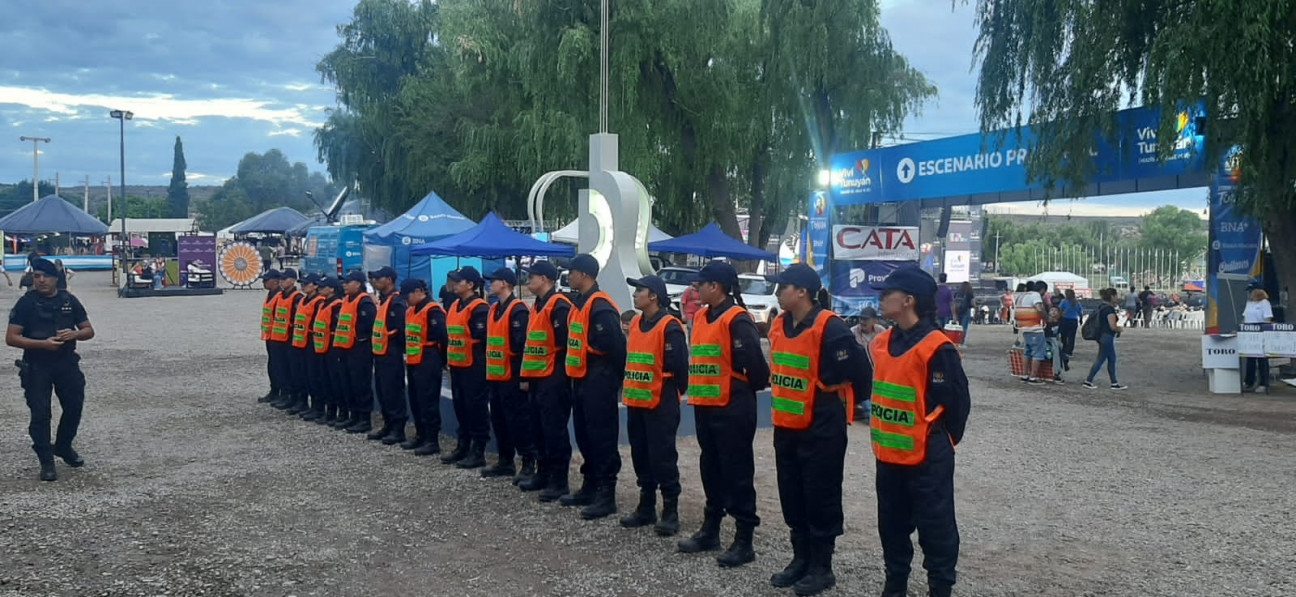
[759, 294]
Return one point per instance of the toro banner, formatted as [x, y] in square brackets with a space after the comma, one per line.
[874, 243]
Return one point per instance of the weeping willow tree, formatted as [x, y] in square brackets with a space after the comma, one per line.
[1066, 65]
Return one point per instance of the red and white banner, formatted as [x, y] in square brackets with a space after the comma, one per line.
[875, 243]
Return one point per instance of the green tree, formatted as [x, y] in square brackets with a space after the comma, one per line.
[136, 207]
[263, 181]
[17, 195]
[1066, 66]
[178, 192]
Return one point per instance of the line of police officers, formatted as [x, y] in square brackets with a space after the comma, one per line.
[523, 373]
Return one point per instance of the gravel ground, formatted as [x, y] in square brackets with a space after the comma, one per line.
[194, 489]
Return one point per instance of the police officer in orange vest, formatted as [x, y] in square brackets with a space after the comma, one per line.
[281, 328]
[388, 342]
[271, 281]
[313, 407]
[510, 409]
[354, 333]
[726, 369]
[655, 378]
[596, 366]
[326, 380]
[816, 367]
[920, 407]
[425, 346]
[466, 355]
[544, 370]
[336, 358]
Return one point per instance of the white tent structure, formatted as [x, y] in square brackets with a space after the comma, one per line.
[1062, 280]
[570, 234]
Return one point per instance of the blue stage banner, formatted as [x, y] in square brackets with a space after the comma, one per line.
[819, 234]
[1234, 251]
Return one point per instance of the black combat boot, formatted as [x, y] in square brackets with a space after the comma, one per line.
[270, 396]
[363, 424]
[460, 452]
[939, 590]
[344, 419]
[604, 502]
[415, 442]
[740, 551]
[502, 468]
[300, 404]
[311, 415]
[645, 513]
[555, 486]
[819, 576]
[379, 433]
[476, 457]
[69, 456]
[429, 447]
[395, 435]
[668, 526]
[583, 497]
[706, 539]
[282, 401]
[796, 568]
[528, 470]
[895, 586]
[538, 479]
[48, 473]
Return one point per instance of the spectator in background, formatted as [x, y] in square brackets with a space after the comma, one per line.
[965, 305]
[1072, 311]
[1131, 306]
[1029, 316]
[266, 254]
[1052, 326]
[1108, 330]
[1042, 288]
[1258, 310]
[944, 303]
[868, 328]
[627, 317]
[1006, 305]
[1145, 305]
[65, 274]
[690, 303]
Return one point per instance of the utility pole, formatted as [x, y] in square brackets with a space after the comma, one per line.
[998, 270]
[56, 183]
[35, 141]
[85, 201]
[108, 185]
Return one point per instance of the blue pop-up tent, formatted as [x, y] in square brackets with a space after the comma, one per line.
[429, 220]
[51, 214]
[492, 238]
[711, 242]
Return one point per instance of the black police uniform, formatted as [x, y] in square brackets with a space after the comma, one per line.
[286, 359]
[551, 403]
[389, 373]
[359, 365]
[318, 365]
[470, 392]
[810, 462]
[46, 371]
[652, 431]
[510, 410]
[596, 397]
[424, 382]
[922, 496]
[338, 373]
[272, 367]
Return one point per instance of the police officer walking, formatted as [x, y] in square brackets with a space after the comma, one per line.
[47, 323]
[466, 355]
[271, 281]
[655, 378]
[425, 346]
[388, 338]
[816, 365]
[324, 371]
[596, 366]
[545, 371]
[920, 409]
[510, 409]
[726, 369]
[353, 335]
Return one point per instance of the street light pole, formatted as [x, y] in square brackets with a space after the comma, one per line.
[123, 116]
[35, 164]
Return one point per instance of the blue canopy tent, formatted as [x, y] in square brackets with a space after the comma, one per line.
[51, 214]
[429, 220]
[273, 221]
[711, 242]
[492, 238]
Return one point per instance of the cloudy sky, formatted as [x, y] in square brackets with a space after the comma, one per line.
[232, 76]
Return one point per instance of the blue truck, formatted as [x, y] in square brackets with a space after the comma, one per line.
[334, 250]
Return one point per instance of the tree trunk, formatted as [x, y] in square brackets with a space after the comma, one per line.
[1280, 229]
[720, 201]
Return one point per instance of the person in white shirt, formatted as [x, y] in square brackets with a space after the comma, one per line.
[1028, 314]
[1258, 310]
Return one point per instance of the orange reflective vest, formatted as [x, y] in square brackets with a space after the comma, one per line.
[578, 349]
[416, 330]
[322, 324]
[380, 332]
[345, 334]
[646, 374]
[267, 313]
[899, 419]
[281, 325]
[302, 321]
[794, 373]
[499, 348]
[460, 351]
[711, 360]
[541, 350]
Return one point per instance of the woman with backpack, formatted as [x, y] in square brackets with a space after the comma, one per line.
[1104, 329]
[1072, 311]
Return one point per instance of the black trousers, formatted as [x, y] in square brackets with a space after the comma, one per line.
[652, 443]
[389, 380]
[424, 385]
[281, 366]
[810, 464]
[471, 402]
[299, 364]
[317, 381]
[271, 372]
[1068, 332]
[727, 464]
[40, 380]
[1254, 364]
[551, 401]
[510, 415]
[359, 371]
[920, 498]
[596, 403]
[339, 393]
